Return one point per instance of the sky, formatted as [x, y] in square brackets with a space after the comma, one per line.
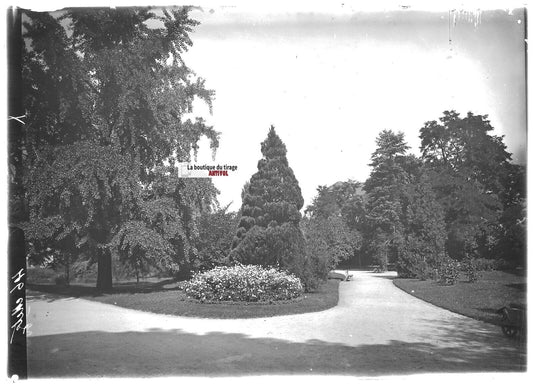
[330, 81]
[331, 75]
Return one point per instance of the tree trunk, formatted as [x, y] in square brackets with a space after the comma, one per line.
[67, 269]
[104, 281]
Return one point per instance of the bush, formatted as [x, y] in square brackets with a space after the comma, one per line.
[489, 264]
[277, 246]
[413, 266]
[61, 280]
[38, 275]
[471, 268]
[313, 274]
[501, 264]
[244, 283]
[448, 272]
[418, 260]
[215, 234]
[317, 264]
[328, 241]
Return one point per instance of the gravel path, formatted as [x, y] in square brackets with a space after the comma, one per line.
[376, 329]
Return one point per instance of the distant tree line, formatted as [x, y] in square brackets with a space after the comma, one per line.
[462, 199]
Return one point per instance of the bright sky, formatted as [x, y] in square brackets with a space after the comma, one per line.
[330, 75]
[331, 81]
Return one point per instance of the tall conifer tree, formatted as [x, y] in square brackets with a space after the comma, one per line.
[384, 187]
[268, 231]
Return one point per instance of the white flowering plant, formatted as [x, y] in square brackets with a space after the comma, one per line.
[243, 283]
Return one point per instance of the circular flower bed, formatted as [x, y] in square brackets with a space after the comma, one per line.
[245, 283]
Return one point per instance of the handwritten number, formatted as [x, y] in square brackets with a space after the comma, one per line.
[16, 277]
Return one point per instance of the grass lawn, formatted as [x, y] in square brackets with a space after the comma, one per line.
[163, 297]
[479, 300]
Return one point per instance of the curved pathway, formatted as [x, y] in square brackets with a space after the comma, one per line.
[376, 329]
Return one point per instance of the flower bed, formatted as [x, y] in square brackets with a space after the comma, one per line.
[243, 283]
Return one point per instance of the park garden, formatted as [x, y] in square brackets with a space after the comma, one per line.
[95, 188]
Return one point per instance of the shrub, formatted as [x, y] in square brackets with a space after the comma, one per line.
[471, 268]
[215, 234]
[313, 273]
[448, 271]
[277, 246]
[417, 260]
[245, 283]
[61, 280]
[489, 264]
[412, 266]
[318, 263]
[500, 264]
[328, 241]
[38, 275]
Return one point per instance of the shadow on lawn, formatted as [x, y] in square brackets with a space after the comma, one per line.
[518, 286]
[174, 352]
[53, 292]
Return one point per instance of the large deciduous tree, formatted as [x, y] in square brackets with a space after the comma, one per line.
[472, 180]
[106, 94]
[268, 232]
[511, 230]
[464, 145]
[164, 234]
[423, 246]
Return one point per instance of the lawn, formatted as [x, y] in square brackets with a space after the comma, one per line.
[163, 297]
[479, 300]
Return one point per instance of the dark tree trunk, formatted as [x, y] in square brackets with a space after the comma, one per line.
[67, 269]
[104, 281]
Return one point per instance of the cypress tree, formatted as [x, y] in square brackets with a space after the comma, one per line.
[268, 232]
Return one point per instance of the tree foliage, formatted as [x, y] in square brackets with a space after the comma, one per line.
[465, 146]
[268, 233]
[106, 94]
[344, 198]
[334, 224]
[472, 179]
[384, 189]
[423, 247]
[329, 241]
[216, 229]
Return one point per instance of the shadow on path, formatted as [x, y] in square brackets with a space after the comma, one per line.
[174, 352]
